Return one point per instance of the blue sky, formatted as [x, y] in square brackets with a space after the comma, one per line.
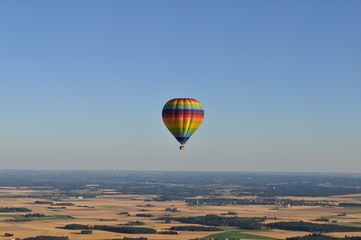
[83, 83]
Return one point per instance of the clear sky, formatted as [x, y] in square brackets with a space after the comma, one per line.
[83, 84]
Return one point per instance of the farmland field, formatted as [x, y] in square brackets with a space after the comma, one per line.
[53, 207]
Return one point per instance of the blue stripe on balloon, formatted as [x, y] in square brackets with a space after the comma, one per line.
[182, 140]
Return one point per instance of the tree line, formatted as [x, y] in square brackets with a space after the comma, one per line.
[316, 236]
[256, 201]
[313, 227]
[214, 220]
[14, 209]
[256, 224]
[131, 230]
[349, 205]
[196, 228]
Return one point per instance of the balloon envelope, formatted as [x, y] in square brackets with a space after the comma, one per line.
[182, 117]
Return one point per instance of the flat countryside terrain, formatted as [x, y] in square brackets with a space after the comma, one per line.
[51, 209]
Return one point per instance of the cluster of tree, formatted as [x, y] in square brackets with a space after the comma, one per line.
[172, 210]
[14, 209]
[302, 191]
[75, 226]
[349, 205]
[132, 230]
[316, 236]
[229, 213]
[169, 232]
[256, 201]
[29, 215]
[214, 220]
[124, 213]
[86, 232]
[84, 206]
[146, 205]
[143, 215]
[312, 227]
[130, 223]
[322, 219]
[196, 228]
[143, 210]
[43, 202]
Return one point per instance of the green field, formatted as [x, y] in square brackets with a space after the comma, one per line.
[351, 224]
[235, 234]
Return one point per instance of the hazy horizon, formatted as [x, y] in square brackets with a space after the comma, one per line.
[83, 84]
[182, 171]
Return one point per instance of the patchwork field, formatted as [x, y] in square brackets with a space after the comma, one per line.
[115, 210]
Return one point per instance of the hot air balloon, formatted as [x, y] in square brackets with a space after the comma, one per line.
[182, 117]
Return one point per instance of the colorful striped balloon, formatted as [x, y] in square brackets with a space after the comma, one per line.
[182, 117]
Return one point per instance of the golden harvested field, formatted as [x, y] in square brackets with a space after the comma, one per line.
[105, 211]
